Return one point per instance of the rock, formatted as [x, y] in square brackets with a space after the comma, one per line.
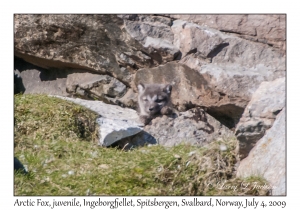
[68, 41]
[212, 46]
[144, 26]
[260, 114]
[155, 35]
[18, 166]
[129, 100]
[270, 29]
[250, 55]
[193, 127]
[33, 79]
[104, 166]
[224, 90]
[160, 49]
[177, 156]
[189, 37]
[268, 157]
[106, 44]
[113, 130]
[223, 147]
[223, 62]
[95, 86]
[187, 84]
[232, 88]
[86, 42]
[71, 173]
[115, 123]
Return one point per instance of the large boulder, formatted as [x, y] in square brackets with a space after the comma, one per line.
[270, 29]
[155, 34]
[187, 84]
[107, 44]
[268, 157]
[260, 114]
[86, 42]
[192, 38]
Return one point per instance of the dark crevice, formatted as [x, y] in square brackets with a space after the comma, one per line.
[222, 94]
[277, 112]
[217, 50]
[177, 56]
[191, 51]
[230, 31]
[228, 115]
[18, 83]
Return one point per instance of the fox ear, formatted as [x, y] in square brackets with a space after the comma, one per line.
[167, 89]
[141, 87]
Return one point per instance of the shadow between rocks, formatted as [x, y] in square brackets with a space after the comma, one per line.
[141, 139]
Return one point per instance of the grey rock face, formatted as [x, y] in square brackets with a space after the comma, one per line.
[162, 49]
[101, 87]
[33, 79]
[260, 114]
[113, 130]
[105, 44]
[144, 26]
[268, 157]
[269, 28]
[189, 37]
[194, 127]
[129, 99]
[231, 67]
[220, 48]
[155, 35]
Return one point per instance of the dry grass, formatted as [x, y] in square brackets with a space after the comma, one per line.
[56, 140]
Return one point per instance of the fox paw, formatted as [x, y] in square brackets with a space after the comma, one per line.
[145, 119]
[166, 110]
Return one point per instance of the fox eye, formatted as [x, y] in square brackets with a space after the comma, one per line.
[145, 99]
[159, 100]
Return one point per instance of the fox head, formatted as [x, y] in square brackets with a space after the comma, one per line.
[153, 97]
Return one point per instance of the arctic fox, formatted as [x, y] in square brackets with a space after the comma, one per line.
[154, 99]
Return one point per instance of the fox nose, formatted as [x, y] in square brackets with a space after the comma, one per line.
[151, 109]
